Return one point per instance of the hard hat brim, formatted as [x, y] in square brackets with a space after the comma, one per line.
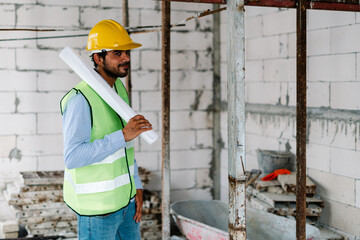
[128, 46]
[125, 47]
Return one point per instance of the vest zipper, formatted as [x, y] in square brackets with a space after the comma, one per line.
[127, 162]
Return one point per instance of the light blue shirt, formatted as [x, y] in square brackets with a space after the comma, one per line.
[77, 134]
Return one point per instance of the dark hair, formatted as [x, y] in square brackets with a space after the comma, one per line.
[101, 54]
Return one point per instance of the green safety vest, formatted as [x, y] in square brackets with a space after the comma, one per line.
[108, 185]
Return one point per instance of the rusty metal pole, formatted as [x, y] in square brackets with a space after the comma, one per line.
[301, 120]
[126, 24]
[165, 92]
[236, 119]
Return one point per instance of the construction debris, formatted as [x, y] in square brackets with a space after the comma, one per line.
[277, 196]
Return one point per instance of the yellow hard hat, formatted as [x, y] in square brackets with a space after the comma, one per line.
[109, 35]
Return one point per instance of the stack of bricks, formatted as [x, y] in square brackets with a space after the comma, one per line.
[38, 201]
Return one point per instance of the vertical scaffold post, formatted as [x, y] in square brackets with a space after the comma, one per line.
[165, 91]
[301, 120]
[126, 24]
[236, 119]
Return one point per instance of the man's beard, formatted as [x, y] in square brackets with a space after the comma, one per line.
[115, 73]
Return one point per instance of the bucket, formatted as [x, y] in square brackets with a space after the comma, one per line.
[269, 160]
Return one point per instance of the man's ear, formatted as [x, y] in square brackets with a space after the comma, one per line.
[98, 60]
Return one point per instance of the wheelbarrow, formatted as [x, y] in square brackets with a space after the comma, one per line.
[208, 220]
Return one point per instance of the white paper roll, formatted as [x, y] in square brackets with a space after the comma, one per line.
[101, 87]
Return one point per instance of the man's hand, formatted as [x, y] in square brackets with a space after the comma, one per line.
[135, 127]
[138, 204]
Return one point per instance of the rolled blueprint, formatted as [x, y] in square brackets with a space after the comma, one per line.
[101, 87]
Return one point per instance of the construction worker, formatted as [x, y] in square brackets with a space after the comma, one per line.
[101, 182]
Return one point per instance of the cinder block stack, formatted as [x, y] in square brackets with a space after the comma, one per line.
[37, 198]
[38, 201]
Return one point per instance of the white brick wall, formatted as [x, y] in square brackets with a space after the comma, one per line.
[345, 162]
[203, 178]
[318, 94]
[344, 39]
[12, 80]
[7, 102]
[50, 163]
[17, 124]
[344, 95]
[343, 217]
[45, 60]
[325, 19]
[57, 81]
[46, 16]
[187, 179]
[335, 68]
[192, 194]
[7, 144]
[8, 14]
[263, 48]
[334, 187]
[254, 70]
[9, 61]
[31, 102]
[265, 93]
[49, 123]
[181, 120]
[150, 17]
[279, 23]
[318, 42]
[13, 166]
[357, 192]
[40, 145]
[189, 159]
[70, 2]
[280, 70]
[252, 27]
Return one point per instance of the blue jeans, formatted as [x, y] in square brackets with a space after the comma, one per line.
[116, 226]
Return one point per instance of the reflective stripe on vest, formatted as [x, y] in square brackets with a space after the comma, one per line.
[96, 187]
[119, 154]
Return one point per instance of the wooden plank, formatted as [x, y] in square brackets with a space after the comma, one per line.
[288, 183]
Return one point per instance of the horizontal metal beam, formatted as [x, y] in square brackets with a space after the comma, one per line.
[199, 1]
[346, 5]
[334, 5]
